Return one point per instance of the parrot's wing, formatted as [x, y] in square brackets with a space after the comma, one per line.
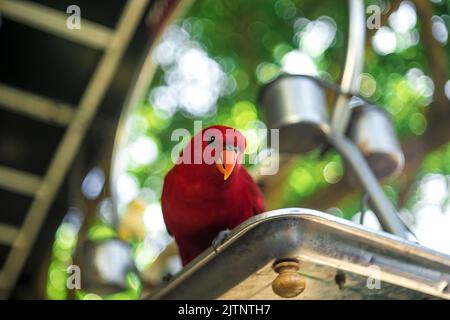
[165, 222]
[256, 196]
[165, 202]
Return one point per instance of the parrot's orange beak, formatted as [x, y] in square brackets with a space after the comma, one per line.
[226, 162]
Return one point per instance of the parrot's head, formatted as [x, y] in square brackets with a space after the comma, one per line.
[219, 149]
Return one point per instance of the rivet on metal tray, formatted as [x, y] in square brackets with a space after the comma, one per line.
[289, 283]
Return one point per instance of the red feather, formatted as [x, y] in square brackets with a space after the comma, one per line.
[197, 202]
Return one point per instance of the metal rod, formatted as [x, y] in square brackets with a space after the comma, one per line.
[53, 21]
[354, 62]
[38, 107]
[383, 208]
[18, 181]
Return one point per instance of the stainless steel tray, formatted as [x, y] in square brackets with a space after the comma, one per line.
[325, 246]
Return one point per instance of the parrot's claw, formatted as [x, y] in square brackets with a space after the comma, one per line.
[220, 239]
[167, 277]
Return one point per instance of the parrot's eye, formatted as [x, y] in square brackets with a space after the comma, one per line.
[232, 148]
[211, 139]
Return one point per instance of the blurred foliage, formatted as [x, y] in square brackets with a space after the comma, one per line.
[63, 249]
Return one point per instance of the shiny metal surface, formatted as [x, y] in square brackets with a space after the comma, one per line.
[296, 105]
[372, 130]
[354, 63]
[382, 207]
[325, 246]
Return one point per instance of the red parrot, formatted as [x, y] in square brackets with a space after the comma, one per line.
[208, 190]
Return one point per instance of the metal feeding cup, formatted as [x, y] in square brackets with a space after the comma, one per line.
[372, 130]
[296, 105]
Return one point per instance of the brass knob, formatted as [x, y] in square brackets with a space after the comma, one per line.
[289, 283]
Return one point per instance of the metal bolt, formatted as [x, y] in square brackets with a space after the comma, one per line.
[288, 283]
